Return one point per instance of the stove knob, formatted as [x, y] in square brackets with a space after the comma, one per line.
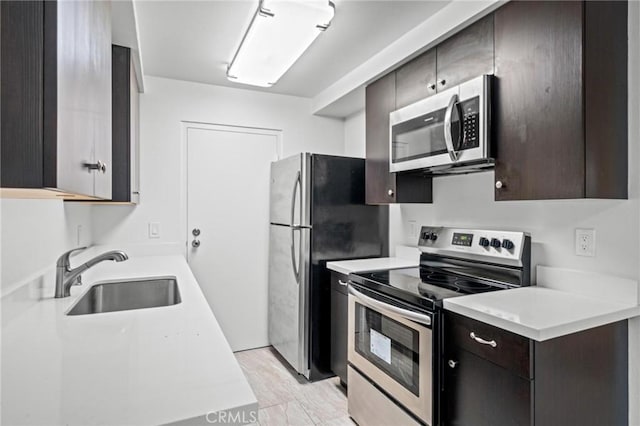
[483, 242]
[507, 244]
[495, 243]
[434, 236]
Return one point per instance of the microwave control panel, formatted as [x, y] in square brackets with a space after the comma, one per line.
[470, 123]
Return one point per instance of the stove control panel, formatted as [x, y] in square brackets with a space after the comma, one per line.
[473, 243]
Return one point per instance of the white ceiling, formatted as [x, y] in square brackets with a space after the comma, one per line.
[194, 40]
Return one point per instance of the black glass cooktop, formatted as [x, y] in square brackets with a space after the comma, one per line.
[421, 286]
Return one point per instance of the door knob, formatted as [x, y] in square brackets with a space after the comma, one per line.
[195, 232]
[195, 243]
[100, 166]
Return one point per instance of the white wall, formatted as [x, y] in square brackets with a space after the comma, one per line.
[164, 105]
[36, 232]
[354, 137]
[468, 201]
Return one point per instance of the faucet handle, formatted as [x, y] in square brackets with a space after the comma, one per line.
[63, 261]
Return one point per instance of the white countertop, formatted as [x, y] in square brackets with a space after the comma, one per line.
[145, 366]
[374, 264]
[545, 312]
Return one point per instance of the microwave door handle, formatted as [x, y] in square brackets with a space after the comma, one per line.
[448, 137]
[376, 304]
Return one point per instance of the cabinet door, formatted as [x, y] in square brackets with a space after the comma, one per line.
[22, 101]
[339, 316]
[84, 96]
[480, 393]
[380, 101]
[416, 79]
[135, 136]
[122, 123]
[466, 55]
[538, 101]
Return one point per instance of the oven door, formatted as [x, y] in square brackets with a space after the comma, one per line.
[392, 346]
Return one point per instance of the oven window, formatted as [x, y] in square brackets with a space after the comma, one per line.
[389, 345]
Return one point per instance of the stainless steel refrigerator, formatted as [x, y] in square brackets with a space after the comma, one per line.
[317, 214]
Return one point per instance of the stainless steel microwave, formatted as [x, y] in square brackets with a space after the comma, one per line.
[445, 132]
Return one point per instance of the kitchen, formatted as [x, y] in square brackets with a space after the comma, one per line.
[308, 124]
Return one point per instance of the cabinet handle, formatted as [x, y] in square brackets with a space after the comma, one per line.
[452, 363]
[100, 166]
[342, 283]
[442, 82]
[390, 192]
[491, 343]
[431, 86]
[499, 184]
[195, 243]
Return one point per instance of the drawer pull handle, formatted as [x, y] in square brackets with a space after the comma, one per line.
[342, 283]
[491, 343]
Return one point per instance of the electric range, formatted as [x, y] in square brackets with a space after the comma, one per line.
[394, 330]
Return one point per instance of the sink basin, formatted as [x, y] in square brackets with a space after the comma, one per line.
[128, 294]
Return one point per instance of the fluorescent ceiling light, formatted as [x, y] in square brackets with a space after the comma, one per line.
[278, 35]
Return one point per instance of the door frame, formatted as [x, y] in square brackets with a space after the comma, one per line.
[184, 187]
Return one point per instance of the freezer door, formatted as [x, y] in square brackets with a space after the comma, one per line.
[288, 290]
[289, 191]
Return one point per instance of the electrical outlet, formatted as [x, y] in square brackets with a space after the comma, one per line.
[154, 230]
[586, 242]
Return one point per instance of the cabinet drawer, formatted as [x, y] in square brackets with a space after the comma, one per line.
[339, 282]
[507, 350]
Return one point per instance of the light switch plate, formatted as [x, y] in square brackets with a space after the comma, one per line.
[412, 233]
[586, 242]
[154, 229]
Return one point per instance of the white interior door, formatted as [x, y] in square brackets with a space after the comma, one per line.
[228, 202]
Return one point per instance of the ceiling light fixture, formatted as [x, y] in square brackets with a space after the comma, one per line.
[279, 33]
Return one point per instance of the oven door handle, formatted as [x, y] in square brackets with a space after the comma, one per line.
[448, 136]
[405, 313]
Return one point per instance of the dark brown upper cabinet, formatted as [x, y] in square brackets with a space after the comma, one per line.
[56, 97]
[466, 55]
[560, 100]
[383, 187]
[416, 79]
[125, 127]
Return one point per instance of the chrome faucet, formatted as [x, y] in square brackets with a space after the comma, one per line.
[67, 277]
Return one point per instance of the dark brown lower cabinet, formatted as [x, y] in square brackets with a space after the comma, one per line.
[578, 379]
[339, 315]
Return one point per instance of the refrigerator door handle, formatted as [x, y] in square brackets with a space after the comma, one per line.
[296, 185]
[296, 269]
[294, 228]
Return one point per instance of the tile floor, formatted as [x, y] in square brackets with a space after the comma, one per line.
[285, 398]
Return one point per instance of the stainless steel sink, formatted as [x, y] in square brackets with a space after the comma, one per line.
[128, 294]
